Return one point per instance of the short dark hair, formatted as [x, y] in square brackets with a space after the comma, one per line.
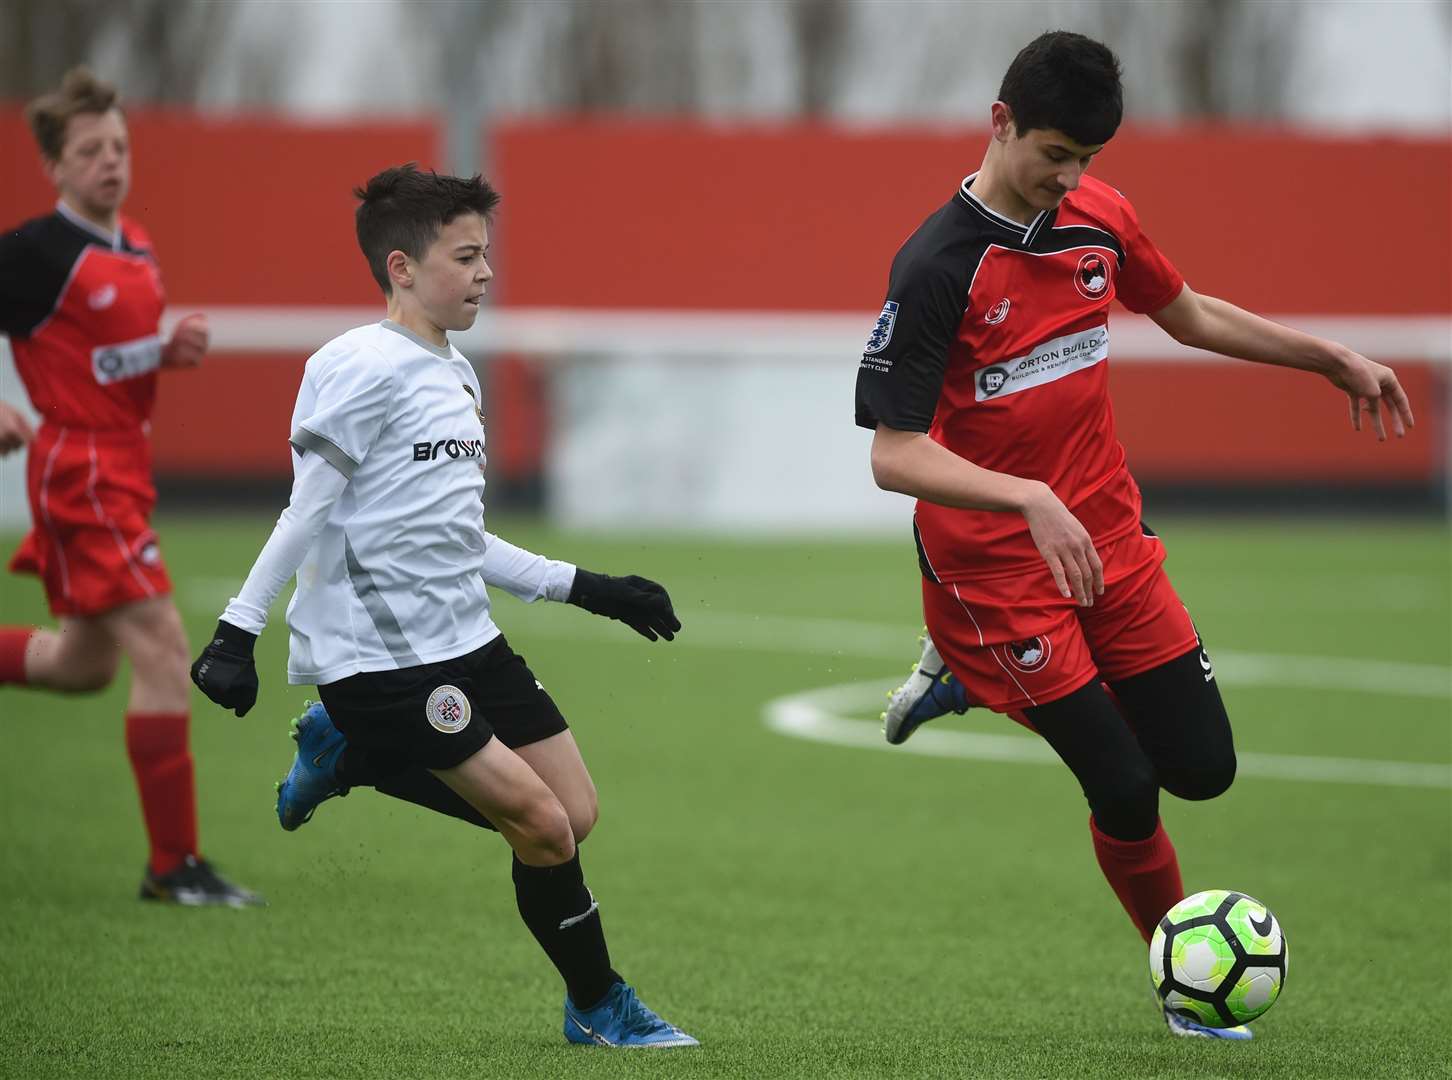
[80, 92]
[403, 209]
[1067, 82]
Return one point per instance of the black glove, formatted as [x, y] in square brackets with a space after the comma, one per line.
[641, 604]
[225, 671]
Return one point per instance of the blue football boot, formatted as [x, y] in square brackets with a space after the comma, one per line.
[1184, 1027]
[621, 1019]
[313, 777]
[931, 691]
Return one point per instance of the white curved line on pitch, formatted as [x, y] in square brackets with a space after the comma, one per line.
[816, 715]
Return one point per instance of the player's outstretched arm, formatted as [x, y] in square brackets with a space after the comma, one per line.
[225, 671]
[15, 430]
[522, 573]
[642, 604]
[913, 464]
[1207, 322]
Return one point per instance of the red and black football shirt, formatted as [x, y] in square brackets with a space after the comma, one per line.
[83, 310]
[994, 340]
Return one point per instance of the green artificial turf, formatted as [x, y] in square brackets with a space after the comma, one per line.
[805, 909]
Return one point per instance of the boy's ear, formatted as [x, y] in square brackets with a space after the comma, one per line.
[400, 269]
[1001, 119]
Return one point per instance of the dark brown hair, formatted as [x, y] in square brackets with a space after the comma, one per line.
[1067, 82]
[403, 209]
[80, 92]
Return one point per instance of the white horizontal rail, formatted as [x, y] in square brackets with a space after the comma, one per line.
[808, 336]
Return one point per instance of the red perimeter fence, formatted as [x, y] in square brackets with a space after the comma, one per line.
[691, 216]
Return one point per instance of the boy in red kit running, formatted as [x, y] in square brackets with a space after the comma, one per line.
[81, 299]
[986, 382]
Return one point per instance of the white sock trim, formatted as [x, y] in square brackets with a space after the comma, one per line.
[573, 919]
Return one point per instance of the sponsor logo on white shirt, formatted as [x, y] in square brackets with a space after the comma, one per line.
[453, 448]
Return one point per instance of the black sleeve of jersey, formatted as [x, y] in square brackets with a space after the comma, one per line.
[901, 374]
[28, 289]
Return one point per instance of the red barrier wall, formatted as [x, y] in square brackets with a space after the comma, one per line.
[1219, 424]
[647, 214]
[659, 214]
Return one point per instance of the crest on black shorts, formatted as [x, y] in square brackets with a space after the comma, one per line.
[1030, 654]
[882, 332]
[448, 710]
[1091, 277]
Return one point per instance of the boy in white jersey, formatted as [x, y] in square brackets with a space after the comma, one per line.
[422, 696]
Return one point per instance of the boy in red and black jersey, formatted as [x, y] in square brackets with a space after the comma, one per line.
[986, 381]
[81, 300]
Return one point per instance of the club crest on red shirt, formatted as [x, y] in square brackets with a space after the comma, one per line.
[1091, 277]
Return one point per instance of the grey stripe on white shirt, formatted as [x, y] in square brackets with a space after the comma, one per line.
[305, 440]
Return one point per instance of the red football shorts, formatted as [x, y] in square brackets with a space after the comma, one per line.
[1015, 642]
[91, 498]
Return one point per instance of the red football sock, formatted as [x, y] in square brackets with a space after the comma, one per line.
[1144, 874]
[162, 762]
[13, 640]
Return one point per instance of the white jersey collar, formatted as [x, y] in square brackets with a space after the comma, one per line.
[110, 239]
[974, 202]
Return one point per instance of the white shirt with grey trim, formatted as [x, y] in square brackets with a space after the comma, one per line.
[387, 542]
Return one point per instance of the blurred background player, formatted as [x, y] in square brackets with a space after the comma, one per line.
[15, 430]
[391, 618]
[986, 381]
[81, 299]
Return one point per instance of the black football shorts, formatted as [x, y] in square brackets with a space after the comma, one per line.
[438, 715]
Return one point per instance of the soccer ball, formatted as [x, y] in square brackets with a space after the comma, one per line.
[1218, 958]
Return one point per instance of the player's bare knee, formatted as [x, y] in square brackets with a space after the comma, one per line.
[545, 831]
[101, 674]
[161, 667]
[89, 674]
[583, 816]
[78, 658]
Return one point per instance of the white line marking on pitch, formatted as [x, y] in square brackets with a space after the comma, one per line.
[816, 715]
[710, 629]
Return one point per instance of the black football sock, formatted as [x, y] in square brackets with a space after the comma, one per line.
[564, 918]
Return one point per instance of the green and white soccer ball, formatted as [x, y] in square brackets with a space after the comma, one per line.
[1218, 958]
